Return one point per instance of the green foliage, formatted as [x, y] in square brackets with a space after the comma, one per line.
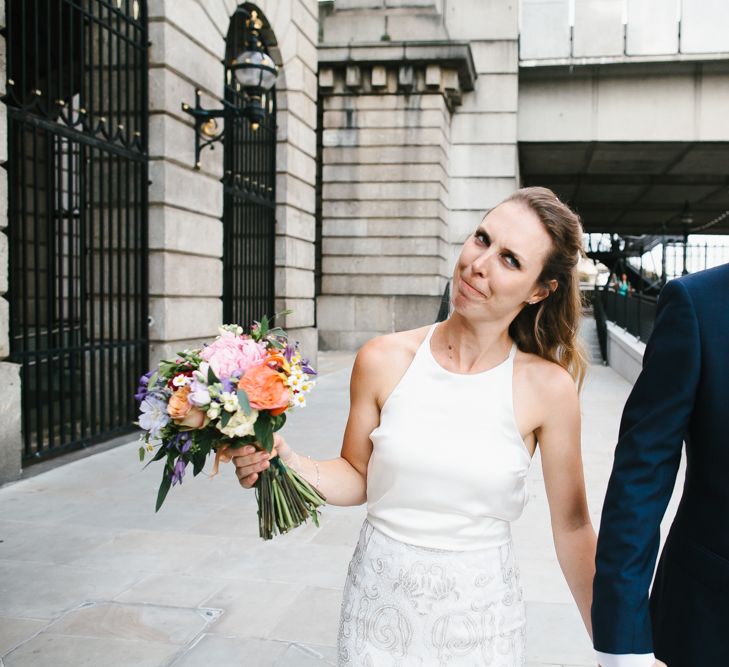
[278, 422]
[263, 428]
[243, 402]
[198, 459]
[164, 486]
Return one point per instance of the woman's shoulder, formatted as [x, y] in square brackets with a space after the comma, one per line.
[382, 361]
[544, 377]
[392, 348]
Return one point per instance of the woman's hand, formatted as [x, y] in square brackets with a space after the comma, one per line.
[251, 461]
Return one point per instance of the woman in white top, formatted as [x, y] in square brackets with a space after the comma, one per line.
[442, 426]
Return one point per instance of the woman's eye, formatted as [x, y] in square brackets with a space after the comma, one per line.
[482, 237]
[512, 261]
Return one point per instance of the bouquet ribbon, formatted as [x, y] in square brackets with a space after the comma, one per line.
[224, 454]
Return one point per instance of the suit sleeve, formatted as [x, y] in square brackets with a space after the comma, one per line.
[652, 430]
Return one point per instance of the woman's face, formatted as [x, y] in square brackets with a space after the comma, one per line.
[500, 263]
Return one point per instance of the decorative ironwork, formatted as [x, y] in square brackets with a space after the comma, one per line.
[251, 71]
[77, 201]
[249, 187]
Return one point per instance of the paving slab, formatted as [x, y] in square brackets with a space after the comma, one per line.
[50, 650]
[91, 575]
[145, 622]
[14, 631]
[254, 608]
[217, 651]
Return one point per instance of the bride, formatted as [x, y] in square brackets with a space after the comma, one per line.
[443, 423]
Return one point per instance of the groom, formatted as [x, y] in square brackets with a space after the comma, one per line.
[682, 394]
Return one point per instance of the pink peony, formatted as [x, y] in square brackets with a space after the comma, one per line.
[230, 354]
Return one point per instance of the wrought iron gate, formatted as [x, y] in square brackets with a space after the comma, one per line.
[77, 204]
[249, 205]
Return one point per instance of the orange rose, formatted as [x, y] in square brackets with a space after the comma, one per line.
[183, 412]
[265, 388]
[179, 405]
[196, 418]
[278, 359]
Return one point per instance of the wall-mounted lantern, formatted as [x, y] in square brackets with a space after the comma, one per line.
[253, 73]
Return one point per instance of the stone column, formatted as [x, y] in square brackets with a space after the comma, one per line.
[484, 150]
[385, 201]
[185, 206]
[296, 23]
[10, 434]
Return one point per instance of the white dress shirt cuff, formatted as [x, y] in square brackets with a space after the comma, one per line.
[625, 660]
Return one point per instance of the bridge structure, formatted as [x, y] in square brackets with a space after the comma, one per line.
[623, 112]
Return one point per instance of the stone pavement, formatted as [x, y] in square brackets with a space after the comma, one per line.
[90, 576]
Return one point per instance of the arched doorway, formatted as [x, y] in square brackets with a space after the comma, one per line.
[77, 211]
[249, 187]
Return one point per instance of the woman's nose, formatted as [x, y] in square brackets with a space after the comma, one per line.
[481, 262]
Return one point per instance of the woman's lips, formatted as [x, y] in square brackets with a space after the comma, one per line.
[472, 290]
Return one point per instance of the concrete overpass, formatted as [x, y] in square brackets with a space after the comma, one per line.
[624, 110]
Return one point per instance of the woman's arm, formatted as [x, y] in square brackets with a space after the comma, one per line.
[574, 536]
[342, 480]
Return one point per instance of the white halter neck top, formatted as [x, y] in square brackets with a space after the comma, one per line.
[448, 467]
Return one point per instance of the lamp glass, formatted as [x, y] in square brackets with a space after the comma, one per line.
[260, 73]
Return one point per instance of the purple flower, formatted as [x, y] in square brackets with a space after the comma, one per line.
[181, 442]
[179, 471]
[142, 388]
[306, 368]
[289, 352]
[184, 442]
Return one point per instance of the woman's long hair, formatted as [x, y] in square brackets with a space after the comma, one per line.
[549, 327]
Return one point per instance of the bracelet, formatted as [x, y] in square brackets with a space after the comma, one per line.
[316, 466]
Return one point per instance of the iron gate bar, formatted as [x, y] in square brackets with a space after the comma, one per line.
[77, 202]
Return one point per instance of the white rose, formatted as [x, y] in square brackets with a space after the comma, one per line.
[239, 424]
[230, 401]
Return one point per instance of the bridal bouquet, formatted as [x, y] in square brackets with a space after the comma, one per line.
[233, 391]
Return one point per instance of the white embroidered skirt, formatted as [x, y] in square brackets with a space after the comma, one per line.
[406, 605]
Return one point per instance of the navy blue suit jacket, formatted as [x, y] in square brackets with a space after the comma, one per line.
[682, 394]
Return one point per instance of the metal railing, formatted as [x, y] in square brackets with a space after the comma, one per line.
[636, 313]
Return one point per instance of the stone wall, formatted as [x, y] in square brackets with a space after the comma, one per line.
[185, 229]
[625, 353]
[484, 155]
[419, 141]
[10, 435]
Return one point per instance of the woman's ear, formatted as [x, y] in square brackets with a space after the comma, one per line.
[543, 292]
